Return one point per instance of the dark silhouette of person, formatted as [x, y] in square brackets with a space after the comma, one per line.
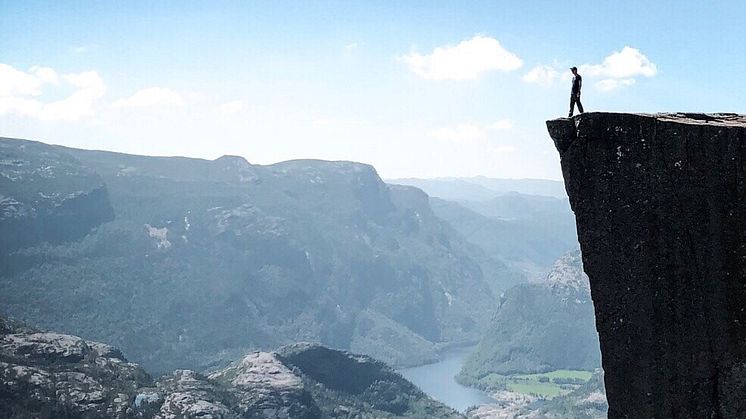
[577, 83]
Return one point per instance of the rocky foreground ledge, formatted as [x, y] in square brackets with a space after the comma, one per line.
[660, 204]
[52, 375]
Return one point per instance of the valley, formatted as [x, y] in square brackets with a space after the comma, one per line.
[522, 394]
[193, 264]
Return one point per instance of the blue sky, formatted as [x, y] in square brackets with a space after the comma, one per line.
[415, 88]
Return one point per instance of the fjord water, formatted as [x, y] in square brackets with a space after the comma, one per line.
[438, 381]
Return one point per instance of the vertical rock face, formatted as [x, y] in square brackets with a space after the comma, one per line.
[47, 195]
[660, 204]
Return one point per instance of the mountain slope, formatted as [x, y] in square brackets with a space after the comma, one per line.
[540, 327]
[206, 259]
[527, 240]
[524, 223]
[47, 195]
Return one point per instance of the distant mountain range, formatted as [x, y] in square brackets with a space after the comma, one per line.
[481, 188]
[525, 223]
[525, 232]
[188, 263]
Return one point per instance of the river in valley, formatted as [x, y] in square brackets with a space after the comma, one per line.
[437, 380]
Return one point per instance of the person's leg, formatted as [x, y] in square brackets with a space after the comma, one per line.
[580, 105]
[572, 105]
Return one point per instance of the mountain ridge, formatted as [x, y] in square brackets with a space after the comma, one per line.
[478, 188]
[300, 250]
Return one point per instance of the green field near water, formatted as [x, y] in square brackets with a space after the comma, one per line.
[545, 390]
[545, 385]
[559, 374]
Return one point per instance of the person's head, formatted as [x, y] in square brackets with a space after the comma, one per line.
[574, 70]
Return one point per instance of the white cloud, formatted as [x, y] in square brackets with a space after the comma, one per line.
[624, 64]
[20, 93]
[470, 132]
[465, 61]
[79, 104]
[151, 96]
[606, 85]
[543, 75]
[234, 106]
[17, 82]
[45, 74]
[619, 69]
[351, 46]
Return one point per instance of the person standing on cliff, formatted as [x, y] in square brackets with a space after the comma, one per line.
[577, 83]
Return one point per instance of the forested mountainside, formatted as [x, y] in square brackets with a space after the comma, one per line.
[540, 327]
[204, 260]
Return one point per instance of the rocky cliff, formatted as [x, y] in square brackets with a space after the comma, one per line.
[47, 195]
[53, 375]
[660, 204]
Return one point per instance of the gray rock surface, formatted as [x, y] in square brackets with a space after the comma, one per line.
[660, 204]
[261, 383]
[52, 375]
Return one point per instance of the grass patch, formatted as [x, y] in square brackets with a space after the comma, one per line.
[559, 374]
[545, 390]
[546, 385]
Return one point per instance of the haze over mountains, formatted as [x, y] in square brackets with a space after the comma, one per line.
[190, 263]
[205, 259]
[526, 223]
[480, 188]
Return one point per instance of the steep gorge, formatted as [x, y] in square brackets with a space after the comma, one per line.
[660, 205]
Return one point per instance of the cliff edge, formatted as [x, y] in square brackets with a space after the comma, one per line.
[660, 205]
